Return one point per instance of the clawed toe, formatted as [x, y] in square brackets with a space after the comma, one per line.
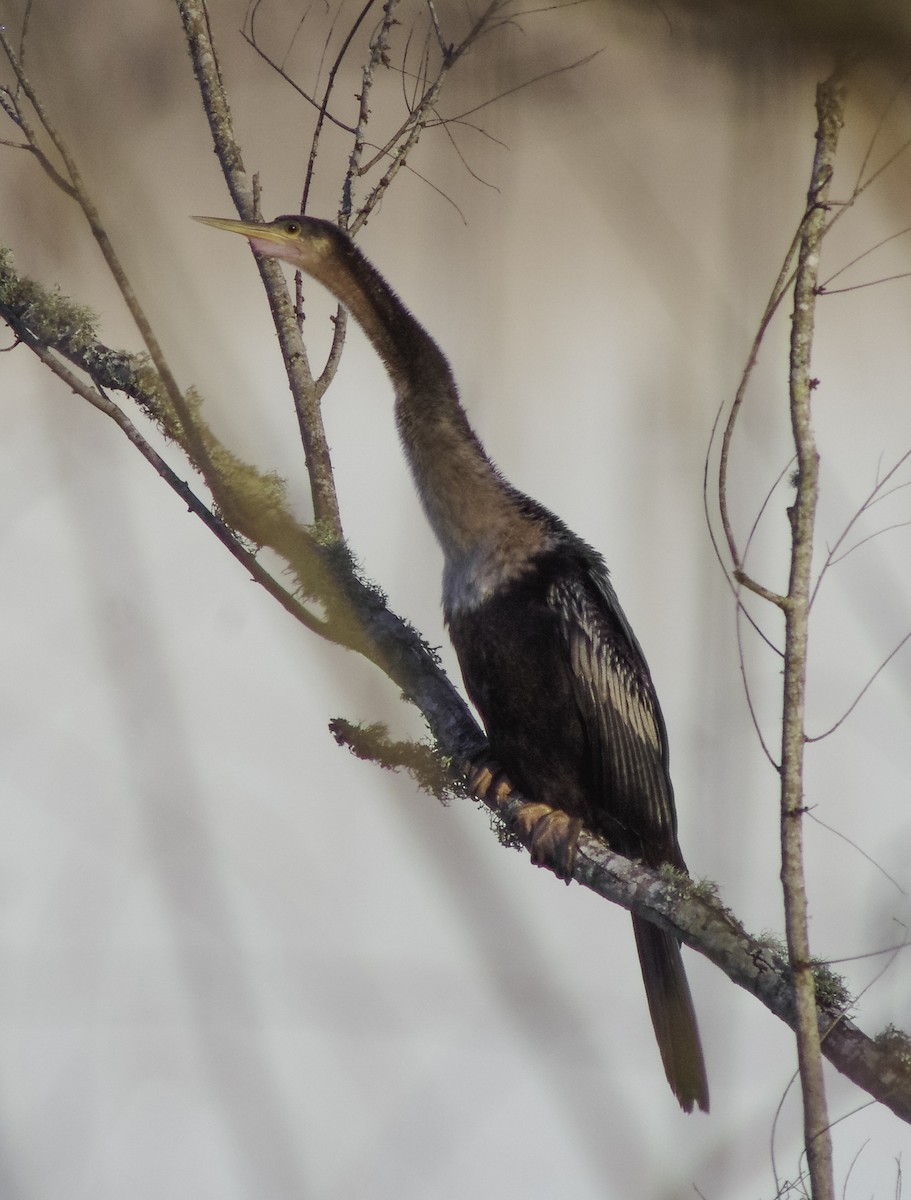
[486, 779]
[552, 836]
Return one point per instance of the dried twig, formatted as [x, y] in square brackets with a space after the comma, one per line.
[306, 398]
[830, 98]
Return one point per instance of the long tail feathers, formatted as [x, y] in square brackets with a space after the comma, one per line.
[673, 1016]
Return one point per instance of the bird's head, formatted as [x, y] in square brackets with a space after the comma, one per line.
[308, 243]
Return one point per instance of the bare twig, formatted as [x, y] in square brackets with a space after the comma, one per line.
[857, 287]
[815, 818]
[779, 291]
[824, 285]
[379, 55]
[195, 19]
[77, 189]
[379, 48]
[525, 83]
[876, 493]
[880, 125]
[817, 1137]
[747, 689]
[211, 520]
[878, 533]
[818, 737]
[250, 39]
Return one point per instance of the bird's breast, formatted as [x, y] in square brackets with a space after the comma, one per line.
[476, 572]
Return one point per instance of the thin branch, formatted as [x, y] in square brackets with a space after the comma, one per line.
[428, 183]
[893, 158]
[747, 690]
[857, 287]
[882, 1067]
[892, 950]
[860, 695]
[340, 326]
[211, 520]
[406, 137]
[450, 136]
[779, 291]
[357, 616]
[112, 261]
[877, 492]
[379, 54]
[31, 145]
[443, 47]
[824, 286]
[844, 206]
[280, 71]
[526, 83]
[742, 613]
[868, 154]
[326, 513]
[324, 106]
[871, 537]
[830, 97]
[786, 470]
[872, 861]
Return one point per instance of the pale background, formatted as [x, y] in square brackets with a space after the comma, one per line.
[234, 961]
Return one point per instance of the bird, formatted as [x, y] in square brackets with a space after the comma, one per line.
[547, 654]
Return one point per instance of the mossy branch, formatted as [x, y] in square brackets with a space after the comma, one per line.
[358, 618]
[252, 509]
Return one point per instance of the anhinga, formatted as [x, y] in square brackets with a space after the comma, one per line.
[547, 654]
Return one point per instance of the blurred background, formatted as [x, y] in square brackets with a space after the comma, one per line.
[235, 961]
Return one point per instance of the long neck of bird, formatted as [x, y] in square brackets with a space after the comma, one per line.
[474, 513]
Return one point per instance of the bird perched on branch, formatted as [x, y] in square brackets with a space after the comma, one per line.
[547, 654]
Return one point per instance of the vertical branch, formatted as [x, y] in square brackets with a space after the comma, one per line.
[195, 19]
[829, 110]
[779, 291]
[379, 54]
[75, 187]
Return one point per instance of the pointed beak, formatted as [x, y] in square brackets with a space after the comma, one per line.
[247, 229]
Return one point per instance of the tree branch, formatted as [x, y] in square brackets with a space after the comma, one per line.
[252, 509]
[881, 1066]
[304, 392]
[359, 619]
[817, 1138]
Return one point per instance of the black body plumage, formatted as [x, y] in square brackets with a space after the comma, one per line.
[569, 706]
[547, 655]
[570, 709]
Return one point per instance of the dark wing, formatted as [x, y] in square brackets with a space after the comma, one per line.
[619, 709]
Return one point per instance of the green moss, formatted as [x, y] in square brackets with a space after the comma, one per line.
[46, 314]
[373, 744]
[897, 1044]
[682, 886]
[775, 943]
[831, 990]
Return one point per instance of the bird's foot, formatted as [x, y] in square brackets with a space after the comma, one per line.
[551, 835]
[487, 780]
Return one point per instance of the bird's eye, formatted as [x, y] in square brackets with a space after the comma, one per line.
[292, 227]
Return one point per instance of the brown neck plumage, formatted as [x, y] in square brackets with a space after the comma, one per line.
[485, 531]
